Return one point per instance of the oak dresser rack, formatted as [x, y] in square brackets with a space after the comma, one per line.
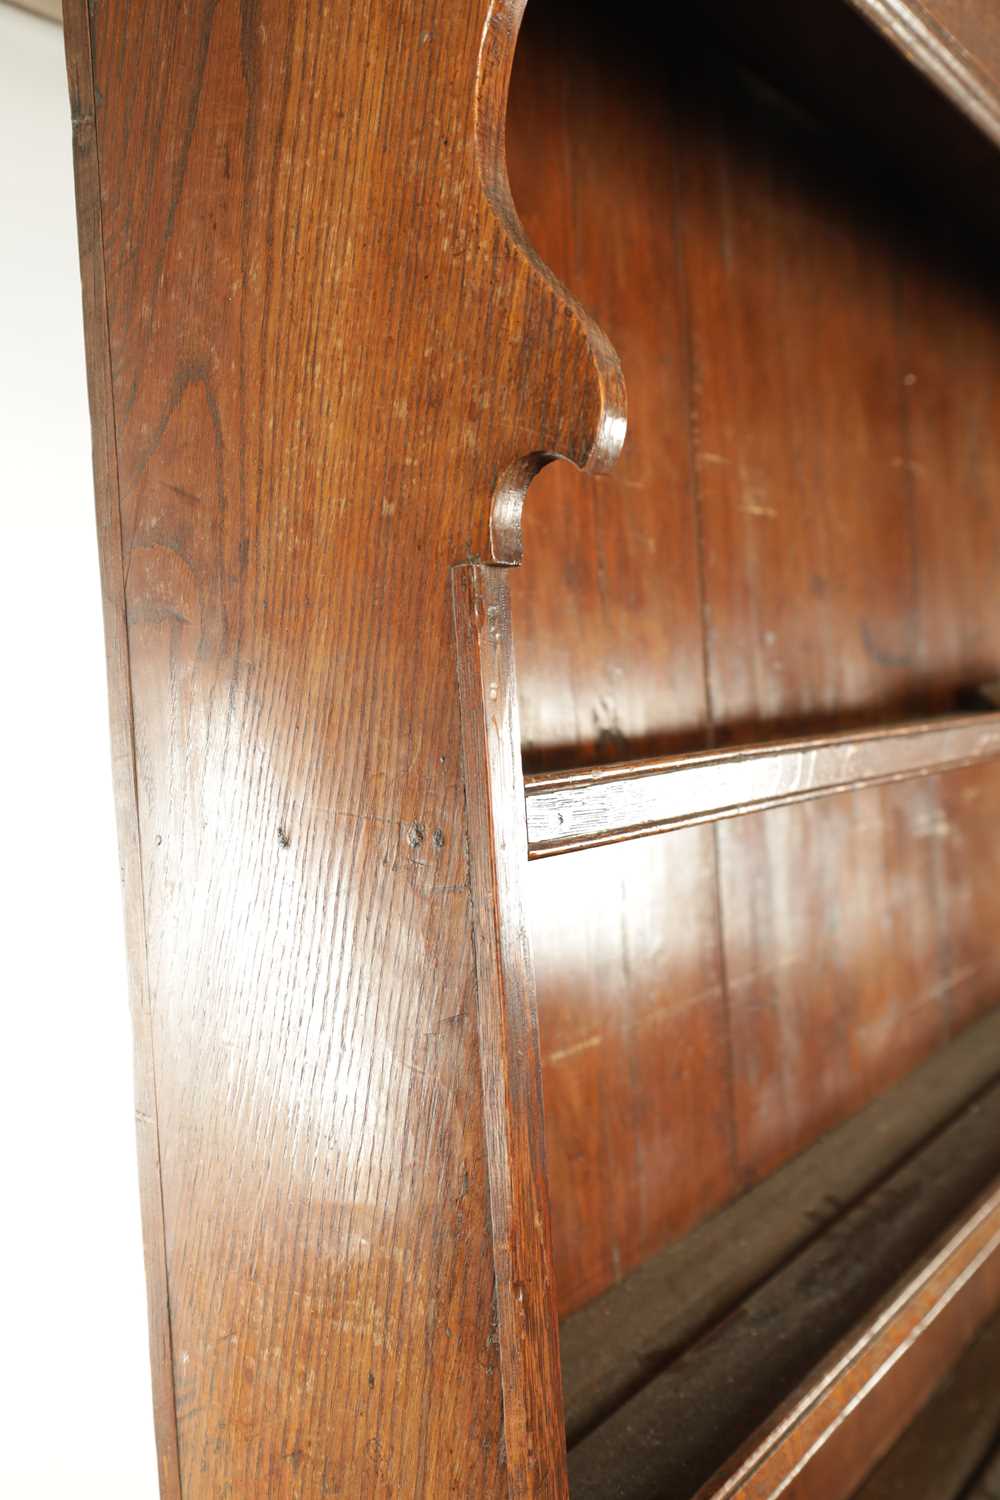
[531, 1106]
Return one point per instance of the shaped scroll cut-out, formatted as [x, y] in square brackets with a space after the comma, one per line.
[583, 413]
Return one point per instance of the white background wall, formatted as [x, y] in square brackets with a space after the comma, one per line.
[75, 1404]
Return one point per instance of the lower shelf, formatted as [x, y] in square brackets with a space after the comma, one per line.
[802, 1328]
[952, 1450]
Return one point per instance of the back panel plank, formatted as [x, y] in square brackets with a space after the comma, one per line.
[607, 628]
[794, 447]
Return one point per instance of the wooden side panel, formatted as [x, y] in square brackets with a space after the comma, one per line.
[534, 1423]
[318, 343]
[797, 447]
[112, 564]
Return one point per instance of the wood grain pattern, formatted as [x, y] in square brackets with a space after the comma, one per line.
[126, 792]
[801, 538]
[608, 630]
[534, 1426]
[318, 350]
[838, 919]
[325, 365]
[572, 810]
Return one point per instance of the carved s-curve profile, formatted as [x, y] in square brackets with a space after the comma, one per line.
[587, 422]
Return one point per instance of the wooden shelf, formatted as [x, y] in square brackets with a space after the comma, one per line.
[573, 810]
[952, 1449]
[835, 1423]
[806, 1325]
[935, 38]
